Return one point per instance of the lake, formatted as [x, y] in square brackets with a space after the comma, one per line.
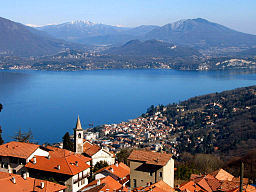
[48, 103]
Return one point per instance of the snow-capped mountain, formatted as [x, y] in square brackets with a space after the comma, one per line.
[198, 32]
[80, 31]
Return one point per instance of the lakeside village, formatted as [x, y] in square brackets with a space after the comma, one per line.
[31, 167]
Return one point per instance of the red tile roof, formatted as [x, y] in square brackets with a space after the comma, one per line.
[190, 186]
[150, 157]
[222, 175]
[219, 180]
[120, 171]
[68, 162]
[59, 153]
[17, 149]
[110, 184]
[92, 150]
[28, 184]
[160, 186]
[246, 188]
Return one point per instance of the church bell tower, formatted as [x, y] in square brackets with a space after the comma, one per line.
[78, 137]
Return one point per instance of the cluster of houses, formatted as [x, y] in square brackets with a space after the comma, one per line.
[151, 133]
[31, 167]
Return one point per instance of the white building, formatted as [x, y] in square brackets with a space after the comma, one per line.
[88, 149]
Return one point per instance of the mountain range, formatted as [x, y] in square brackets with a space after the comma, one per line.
[20, 40]
[96, 34]
[153, 48]
[198, 32]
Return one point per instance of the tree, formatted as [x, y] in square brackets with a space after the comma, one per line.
[123, 155]
[67, 143]
[1, 139]
[206, 163]
[99, 165]
[26, 137]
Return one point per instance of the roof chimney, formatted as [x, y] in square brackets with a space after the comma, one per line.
[42, 185]
[34, 160]
[98, 182]
[58, 167]
[24, 176]
[13, 180]
[49, 156]
[112, 170]
[116, 164]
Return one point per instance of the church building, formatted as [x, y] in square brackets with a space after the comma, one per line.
[95, 152]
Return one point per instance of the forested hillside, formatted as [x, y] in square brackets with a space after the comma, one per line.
[223, 123]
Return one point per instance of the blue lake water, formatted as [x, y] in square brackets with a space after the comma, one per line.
[48, 102]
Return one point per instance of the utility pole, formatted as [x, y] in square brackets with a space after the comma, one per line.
[241, 176]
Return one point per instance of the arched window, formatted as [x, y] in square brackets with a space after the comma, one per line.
[79, 135]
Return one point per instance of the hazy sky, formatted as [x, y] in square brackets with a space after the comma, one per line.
[237, 14]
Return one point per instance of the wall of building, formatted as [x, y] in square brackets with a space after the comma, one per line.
[168, 173]
[102, 156]
[38, 152]
[143, 177]
[79, 180]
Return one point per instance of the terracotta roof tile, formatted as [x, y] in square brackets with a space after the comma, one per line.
[228, 186]
[222, 175]
[204, 184]
[110, 184]
[190, 186]
[213, 183]
[120, 171]
[18, 149]
[69, 163]
[91, 151]
[59, 153]
[150, 157]
[29, 184]
[246, 188]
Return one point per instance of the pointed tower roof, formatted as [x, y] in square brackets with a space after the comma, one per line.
[78, 124]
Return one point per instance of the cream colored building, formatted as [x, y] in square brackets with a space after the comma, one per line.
[150, 167]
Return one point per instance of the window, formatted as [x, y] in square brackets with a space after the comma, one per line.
[161, 174]
[134, 183]
[79, 135]
[151, 173]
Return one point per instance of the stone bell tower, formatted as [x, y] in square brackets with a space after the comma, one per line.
[78, 137]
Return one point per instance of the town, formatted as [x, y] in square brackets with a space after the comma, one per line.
[94, 168]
